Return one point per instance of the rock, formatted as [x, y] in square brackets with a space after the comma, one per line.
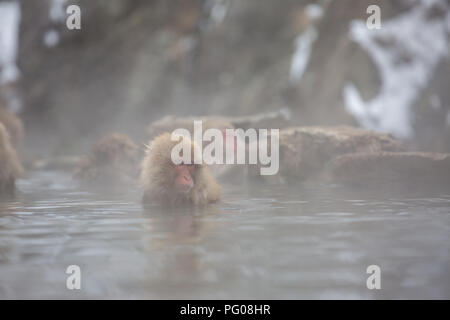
[10, 167]
[413, 170]
[305, 151]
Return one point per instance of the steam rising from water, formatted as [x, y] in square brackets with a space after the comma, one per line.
[304, 43]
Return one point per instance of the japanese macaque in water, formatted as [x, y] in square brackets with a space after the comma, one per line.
[391, 171]
[168, 183]
[304, 152]
[13, 124]
[10, 167]
[112, 161]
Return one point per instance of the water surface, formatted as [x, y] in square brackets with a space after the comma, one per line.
[261, 242]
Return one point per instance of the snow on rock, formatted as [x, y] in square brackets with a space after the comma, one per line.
[405, 51]
[304, 43]
[9, 40]
[51, 38]
[57, 12]
[217, 10]
[435, 102]
[57, 15]
[314, 11]
[303, 48]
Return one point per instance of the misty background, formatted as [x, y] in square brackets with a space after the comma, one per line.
[134, 62]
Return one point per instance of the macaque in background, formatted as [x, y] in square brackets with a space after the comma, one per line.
[13, 124]
[394, 171]
[169, 184]
[10, 167]
[267, 120]
[112, 161]
[170, 123]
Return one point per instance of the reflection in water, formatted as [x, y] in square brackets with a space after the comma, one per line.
[262, 241]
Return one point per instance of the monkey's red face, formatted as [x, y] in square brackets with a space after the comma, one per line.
[184, 180]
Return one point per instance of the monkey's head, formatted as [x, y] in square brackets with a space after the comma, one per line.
[170, 123]
[162, 175]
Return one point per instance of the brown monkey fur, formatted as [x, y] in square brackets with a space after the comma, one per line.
[170, 123]
[10, 167]
[158, 176]
[113, 159]
[13, 124]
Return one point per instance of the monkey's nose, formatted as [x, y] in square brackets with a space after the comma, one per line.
[188, 180]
